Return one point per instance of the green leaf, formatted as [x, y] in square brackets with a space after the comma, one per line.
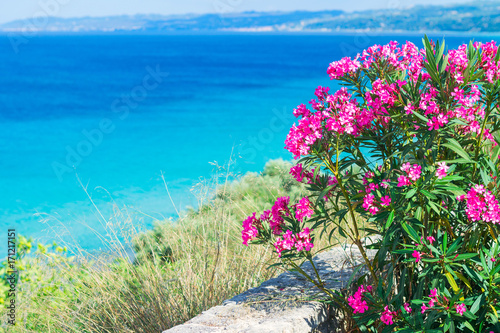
[428, 195]
[457, 148]
[410, 193]
[434, 207]
[389, 220]
[421, 117]
[445, 241]
[469, 326]
[477, 304]
[410, 231]
[465, 256]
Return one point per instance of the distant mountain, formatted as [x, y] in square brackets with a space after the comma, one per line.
[208, 22]
[481, 16]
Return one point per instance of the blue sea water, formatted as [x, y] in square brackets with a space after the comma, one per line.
[113, 113]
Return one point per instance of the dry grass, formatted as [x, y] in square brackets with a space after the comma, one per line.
[180, 269]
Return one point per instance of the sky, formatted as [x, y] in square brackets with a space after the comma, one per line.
[27, 9]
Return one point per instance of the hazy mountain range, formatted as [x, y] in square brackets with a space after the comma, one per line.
[481, 16]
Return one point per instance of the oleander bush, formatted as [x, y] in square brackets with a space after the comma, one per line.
[407, 152]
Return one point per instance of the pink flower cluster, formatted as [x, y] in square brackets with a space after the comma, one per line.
[482, 205]
[387, 316]
[413, 172]
[457, 62]
[370, 203]
[273, 217]
[345, 116]
[356, 301]
[250, 230]
[303, 209]
[442, 170]
[416, 255]
[433, 300]
[302, 136]
[301, 241]
[341, 113]
[338, 113]
[460, 308]
[299, 173]
[488, 60]
[407, 57]
[338, 69]
[279, 209]
[380, 98]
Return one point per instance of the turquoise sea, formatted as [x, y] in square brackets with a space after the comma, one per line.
[105, 116]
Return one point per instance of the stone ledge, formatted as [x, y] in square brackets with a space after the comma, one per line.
[281, 304]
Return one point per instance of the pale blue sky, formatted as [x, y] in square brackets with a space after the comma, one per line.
[22, 9]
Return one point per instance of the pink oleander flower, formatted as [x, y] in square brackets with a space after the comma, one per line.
[288, 240]
[301, 110]
[407, 307]
[442, 170]
[423, 308]
[405, 167]
[385, 201]
[430, 239]
[482, 205]
[431, 303]
[367, 176]
[296, 172]
[403, 181]
[249, 231]
[372, 187]
[457, 63]
[461, 197]
[302, 136]
[321, 93]
[436, 122]
[344, 115]
[417, 256]
[409, 109]
[414, 172]
[346, 65]
[303, 240]
[433, 293]
[300, 241]
[279, 209]
[387, 316]
[303, 209]
[460, 308]
[369, 204]
[286, 243]
[356, 301]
